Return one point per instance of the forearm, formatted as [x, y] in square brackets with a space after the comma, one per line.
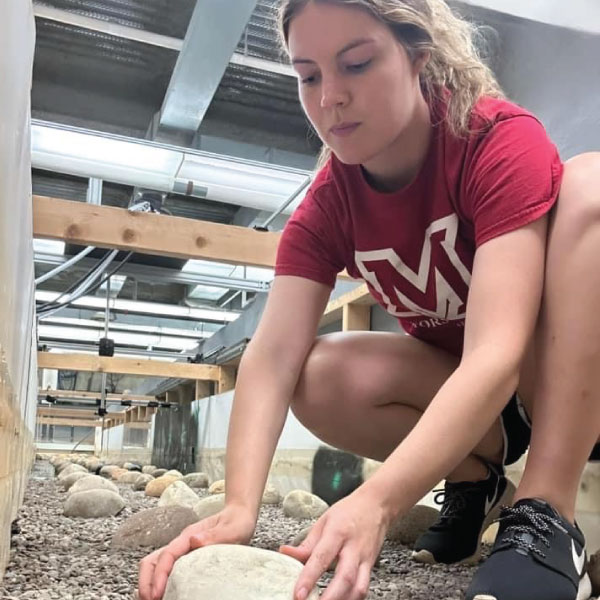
[458, 417]
[259, 412]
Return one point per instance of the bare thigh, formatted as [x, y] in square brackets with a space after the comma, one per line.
[364, 391]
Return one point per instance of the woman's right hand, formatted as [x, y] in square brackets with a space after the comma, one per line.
[233, 525]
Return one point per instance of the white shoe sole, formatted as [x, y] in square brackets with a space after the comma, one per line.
[424, 556]
[583, 593]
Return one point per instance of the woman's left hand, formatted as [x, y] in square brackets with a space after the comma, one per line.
[352, 531]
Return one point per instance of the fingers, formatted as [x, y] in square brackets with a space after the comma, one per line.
[351, 580]
[147, 565]
[321, 557]
[156, 567]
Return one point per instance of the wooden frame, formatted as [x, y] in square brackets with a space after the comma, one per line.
[148, 233]
[127, 366]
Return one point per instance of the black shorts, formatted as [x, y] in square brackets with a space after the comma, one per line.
[516, 429]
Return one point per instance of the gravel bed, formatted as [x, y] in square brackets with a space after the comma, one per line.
[54, 557]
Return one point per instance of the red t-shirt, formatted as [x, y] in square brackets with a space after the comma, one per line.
[415, 247]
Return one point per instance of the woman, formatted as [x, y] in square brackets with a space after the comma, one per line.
[432, 187]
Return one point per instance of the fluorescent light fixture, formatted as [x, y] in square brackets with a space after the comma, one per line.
[48, 246]
[142, 163]
[208, 267]
[117, 326]
[120, 337]
[206, 292]
[149, 308]
[225, 270]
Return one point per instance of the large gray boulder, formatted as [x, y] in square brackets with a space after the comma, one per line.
[299, 504]
[92, 482]
[94, 503]
[154, 527]
[232, 572]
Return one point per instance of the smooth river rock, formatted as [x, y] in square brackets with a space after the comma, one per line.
[407, 528]
[196, 480]
[69, 480]
[70, 470]
[299, 504]
[217, 487]
[92, 482]
[143, 479]
[156, 487]
[178, 494]
[209, 506]
[174, 473]
[94, 503]
[271, 495]
[231, 572]
[154, 527]
[129, 477]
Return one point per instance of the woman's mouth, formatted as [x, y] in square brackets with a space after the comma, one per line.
[343, 129]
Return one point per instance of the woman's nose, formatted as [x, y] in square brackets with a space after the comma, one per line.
[333, 93]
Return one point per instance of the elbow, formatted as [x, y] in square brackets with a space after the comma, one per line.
[500, 362]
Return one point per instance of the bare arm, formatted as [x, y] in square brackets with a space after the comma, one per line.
[504, 301]
[267, 377]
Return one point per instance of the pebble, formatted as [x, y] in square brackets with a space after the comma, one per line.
[78, 553]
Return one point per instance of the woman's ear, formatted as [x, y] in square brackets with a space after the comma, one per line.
[421, 61]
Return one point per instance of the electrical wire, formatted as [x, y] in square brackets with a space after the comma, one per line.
[51, 311]
[95, 272]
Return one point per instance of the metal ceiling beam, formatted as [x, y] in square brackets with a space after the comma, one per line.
[212, 36]
[119, 350]
[581, 15]
[146, 37]
[151, 274]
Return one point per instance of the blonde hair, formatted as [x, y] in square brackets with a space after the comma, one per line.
[425, 26]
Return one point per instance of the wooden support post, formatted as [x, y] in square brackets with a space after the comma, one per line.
[356, 317]
[203, 389]
[226, 381]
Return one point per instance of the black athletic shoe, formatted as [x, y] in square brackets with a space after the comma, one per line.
[468, 509]
[538, 555]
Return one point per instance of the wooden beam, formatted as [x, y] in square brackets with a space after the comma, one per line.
[69, 422]
[138, 425]
[335, 308]
[127, 366]
[148, 233]
[50, 411]
[356, 317]
[227, 376]
[69, 394]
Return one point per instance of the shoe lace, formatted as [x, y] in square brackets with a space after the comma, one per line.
[526, 519]
[453, 500]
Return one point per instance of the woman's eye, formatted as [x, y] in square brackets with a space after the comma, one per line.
[357, 67]
[308, 80]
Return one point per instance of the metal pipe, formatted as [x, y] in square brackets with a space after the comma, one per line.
[65, 265]
[302, 187]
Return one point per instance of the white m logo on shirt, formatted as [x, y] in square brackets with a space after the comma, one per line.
[448, 302]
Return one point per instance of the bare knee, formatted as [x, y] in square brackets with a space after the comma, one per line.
[316, 387]
[579, 200]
